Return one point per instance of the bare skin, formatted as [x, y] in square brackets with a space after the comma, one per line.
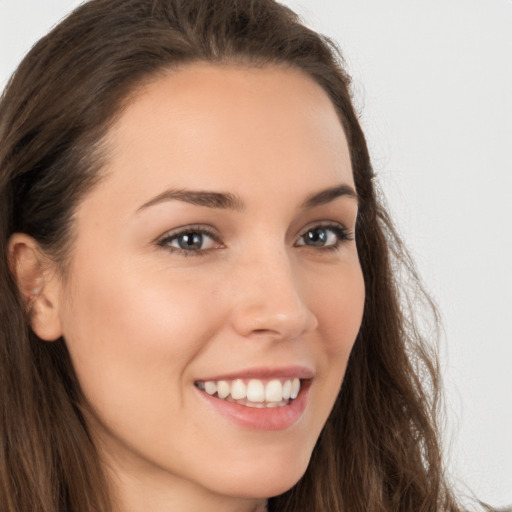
[167, 289]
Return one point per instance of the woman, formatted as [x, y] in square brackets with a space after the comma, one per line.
[199, 303]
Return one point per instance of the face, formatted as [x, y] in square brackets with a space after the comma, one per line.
[215, 272]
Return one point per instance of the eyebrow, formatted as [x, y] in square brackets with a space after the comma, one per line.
[221, 200]
[328, 195]
[228, 201]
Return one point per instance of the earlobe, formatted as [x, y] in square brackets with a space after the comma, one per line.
[38, 285]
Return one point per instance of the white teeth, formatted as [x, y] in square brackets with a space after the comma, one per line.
[256, 405]
[223, 389]
[210, 387]
[275, 393]
[295, 388]
[287, 389]
[238, 390]
[255, 391]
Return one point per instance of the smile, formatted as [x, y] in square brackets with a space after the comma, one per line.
[254, 392]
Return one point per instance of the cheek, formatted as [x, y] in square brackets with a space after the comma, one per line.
[339, 309]
[129, 332]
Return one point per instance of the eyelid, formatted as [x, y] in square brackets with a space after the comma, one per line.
[343, 233]
[335, 225]
[162, 241]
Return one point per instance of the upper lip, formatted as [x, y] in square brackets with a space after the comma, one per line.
[282, 372]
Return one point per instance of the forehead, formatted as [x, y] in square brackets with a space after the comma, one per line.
[207, 125]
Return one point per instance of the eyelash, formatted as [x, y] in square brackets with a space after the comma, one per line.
[166, 240]
[342, 234]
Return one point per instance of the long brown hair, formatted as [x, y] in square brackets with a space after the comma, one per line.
[379, 450]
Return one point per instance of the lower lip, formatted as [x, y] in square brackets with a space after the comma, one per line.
[266, 418]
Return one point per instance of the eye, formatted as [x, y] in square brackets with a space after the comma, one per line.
[328, 237]
[190, 240]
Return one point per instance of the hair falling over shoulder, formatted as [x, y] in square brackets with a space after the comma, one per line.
[379, 450]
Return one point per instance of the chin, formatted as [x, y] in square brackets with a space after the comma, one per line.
[264, 478]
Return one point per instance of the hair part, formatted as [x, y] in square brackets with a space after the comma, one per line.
[379, 450]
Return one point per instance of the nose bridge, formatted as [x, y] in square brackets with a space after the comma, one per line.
[270, 299]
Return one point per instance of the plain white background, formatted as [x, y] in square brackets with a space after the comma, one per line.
[433, 83]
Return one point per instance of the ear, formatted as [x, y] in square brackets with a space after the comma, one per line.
[39, 285]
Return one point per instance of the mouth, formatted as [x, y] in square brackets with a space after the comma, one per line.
[255, 393]
[259, 398]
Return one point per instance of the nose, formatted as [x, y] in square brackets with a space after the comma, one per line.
[270, 300]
